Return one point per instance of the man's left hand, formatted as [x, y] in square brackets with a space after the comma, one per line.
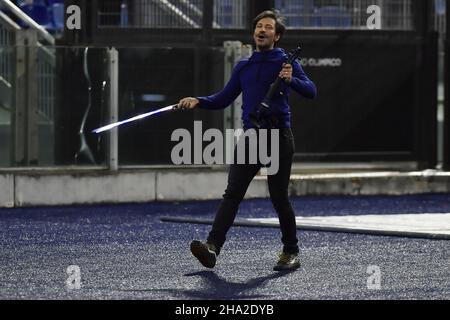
[286, 73]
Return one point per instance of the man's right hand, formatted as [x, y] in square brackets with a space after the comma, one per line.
[187, 103]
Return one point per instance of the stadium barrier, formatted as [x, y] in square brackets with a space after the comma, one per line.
[52, 187]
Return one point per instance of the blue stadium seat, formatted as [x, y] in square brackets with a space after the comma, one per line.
[440, 7]
[294, 15]
[3, 8]
[38, 13]
[334, 17]
[124, 14]
[52, 2]
[58, 15]
[299, 13]
[226, 10]
[21, 3]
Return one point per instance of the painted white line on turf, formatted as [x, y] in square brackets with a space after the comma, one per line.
[433, 223]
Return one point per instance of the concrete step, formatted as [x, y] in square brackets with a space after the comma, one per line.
[352, 167]
[68, 187]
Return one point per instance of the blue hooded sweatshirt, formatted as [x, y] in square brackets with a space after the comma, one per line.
[253, 77]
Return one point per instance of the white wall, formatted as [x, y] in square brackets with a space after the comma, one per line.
[53, 188]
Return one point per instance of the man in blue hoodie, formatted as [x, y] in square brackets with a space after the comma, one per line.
[253, 78]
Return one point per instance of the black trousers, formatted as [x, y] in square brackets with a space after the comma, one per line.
[239, 178]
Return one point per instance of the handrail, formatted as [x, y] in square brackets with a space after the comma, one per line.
[197, 11]
[177, 12]
[7, 30]
[30, 22]
[7, 23]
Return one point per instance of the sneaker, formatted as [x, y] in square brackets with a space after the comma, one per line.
[287, 262]
[206, 253]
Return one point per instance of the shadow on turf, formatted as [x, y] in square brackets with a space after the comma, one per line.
[219, 288]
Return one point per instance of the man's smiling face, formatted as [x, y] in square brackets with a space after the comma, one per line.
[265, 34]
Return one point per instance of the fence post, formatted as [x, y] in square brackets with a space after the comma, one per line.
[18, 114]
[446, 160]
[32, 132]
[426, 86]
[113, 140]
[24, 116]
[207, 21]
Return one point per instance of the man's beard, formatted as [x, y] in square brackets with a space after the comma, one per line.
[263, 48]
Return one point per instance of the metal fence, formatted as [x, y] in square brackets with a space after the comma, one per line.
[232, 14]
[5, 57]
[151, 14]
[27, 95]
[7, 41]
[46, 74]
[45, 69]
[345, 14]
[228, 14]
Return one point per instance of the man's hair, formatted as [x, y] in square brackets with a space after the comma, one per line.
[280, 27]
